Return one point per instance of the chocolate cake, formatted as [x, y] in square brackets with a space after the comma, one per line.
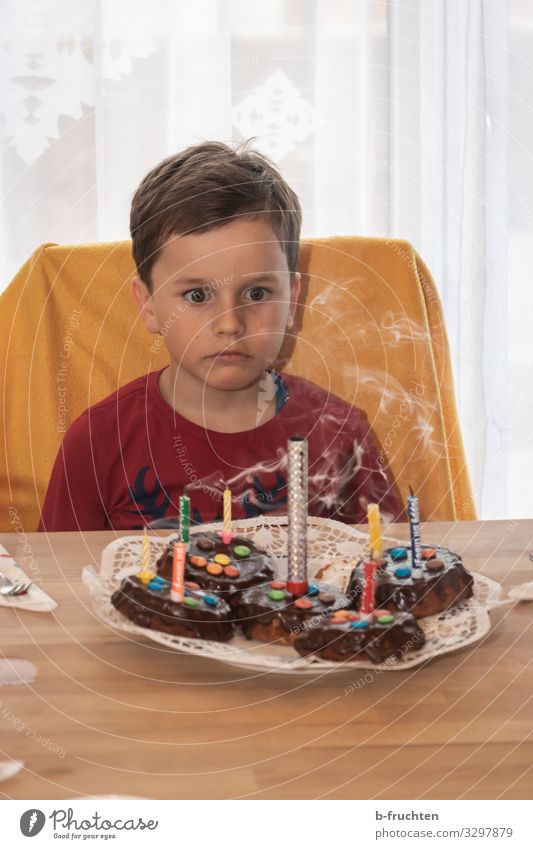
[224, 568]
[443, 581]
[201, 615]
[377, 636]
[271, 614]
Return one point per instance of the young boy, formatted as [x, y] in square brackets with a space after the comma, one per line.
[215, 239]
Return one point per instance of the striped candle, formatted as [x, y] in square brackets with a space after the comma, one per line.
[227, 509]
[368, 598]
[185, 517]
[297, 516]
[145, 562]
[374, 531]
[413, 512]
[177, 592]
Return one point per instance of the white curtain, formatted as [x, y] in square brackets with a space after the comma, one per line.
[388, 119]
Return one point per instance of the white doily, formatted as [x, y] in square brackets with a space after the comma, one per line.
[333, 550]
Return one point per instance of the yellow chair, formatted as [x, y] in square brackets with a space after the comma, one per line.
[370, 329]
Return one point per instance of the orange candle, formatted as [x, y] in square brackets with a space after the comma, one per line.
[178, 571]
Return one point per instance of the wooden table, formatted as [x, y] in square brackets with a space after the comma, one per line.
[119, 717]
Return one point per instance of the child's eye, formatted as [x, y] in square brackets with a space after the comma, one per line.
[195, 296]
[258, 293]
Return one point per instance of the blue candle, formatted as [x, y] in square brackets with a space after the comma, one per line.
[413, 511]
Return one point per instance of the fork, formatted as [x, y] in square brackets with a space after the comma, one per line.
[8, 587]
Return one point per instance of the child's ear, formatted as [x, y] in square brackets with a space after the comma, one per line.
[296, 281]
[143, 299]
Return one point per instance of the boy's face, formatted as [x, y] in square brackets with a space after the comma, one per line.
[223, 301]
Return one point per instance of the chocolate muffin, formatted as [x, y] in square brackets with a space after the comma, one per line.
[224, 568]
[200, 615]
[271, 614]
[378, 636]
[443, 582]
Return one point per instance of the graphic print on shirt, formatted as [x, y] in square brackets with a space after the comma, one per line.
[264, 500]
[152, 502]
[149, 501]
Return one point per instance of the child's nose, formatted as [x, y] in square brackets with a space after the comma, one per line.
[229, 322]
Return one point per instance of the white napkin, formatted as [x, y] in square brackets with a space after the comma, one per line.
[35, 599]
[14, 670]
[9, 768]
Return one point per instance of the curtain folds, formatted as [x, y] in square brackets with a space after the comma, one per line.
[387, 118]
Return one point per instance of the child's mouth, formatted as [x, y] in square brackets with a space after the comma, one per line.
[229, 357]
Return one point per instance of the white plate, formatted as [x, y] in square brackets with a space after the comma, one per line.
[333, 548]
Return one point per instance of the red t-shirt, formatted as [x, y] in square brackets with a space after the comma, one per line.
[125, 461]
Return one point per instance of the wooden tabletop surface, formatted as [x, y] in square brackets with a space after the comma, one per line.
[106, 715]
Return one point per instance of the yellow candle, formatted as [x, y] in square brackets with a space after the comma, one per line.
[374, 530]
[146, 552]
[227, 509]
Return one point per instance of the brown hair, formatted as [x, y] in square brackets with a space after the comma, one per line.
[205, 187]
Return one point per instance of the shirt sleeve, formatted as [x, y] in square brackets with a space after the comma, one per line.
[73, 501]
[366, 479]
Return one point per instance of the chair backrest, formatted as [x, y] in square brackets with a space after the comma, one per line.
[370, 329]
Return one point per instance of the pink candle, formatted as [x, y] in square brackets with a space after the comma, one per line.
[369, 586]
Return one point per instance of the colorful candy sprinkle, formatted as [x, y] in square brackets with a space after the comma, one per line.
[398, 553]
[232, 571]
[377, 613]
[205, 544]
[312, 590]
[190, 601]
[402, 572]
[214, 568]
[338, 620]
[157, 584]
[242, 551]
[211, 600]
[276, 595]
[353, 617]
[434, 565]
[303, 603]
[344, 613]
[385, 620]
[223, 559]
[428, 553]
[196, 560]
[361, 623]
[278, 585]
[192, 585]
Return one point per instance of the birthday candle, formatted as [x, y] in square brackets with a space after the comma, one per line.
[374, 530]
[178, 571]
[185, 517]
[227, 509]
[413, 512]
[145, 563]
[369, 586]
[297, 516]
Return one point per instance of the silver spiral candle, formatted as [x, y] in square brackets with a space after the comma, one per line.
[297, 515]
[413, 512]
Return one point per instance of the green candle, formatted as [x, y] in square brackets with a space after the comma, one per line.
[185, 517]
